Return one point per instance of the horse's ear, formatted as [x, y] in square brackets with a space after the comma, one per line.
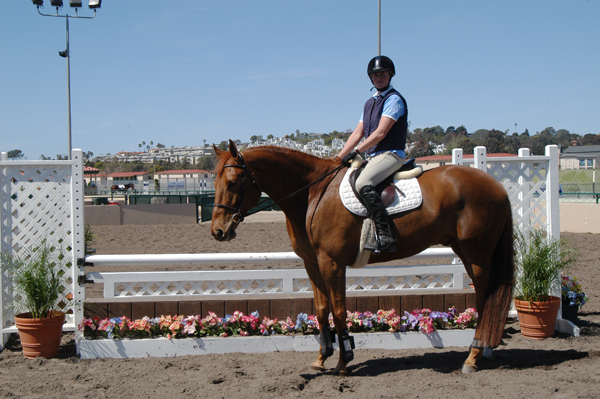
[233, 149]
[217, 151]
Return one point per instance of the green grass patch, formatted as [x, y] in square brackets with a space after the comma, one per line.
[576, 176]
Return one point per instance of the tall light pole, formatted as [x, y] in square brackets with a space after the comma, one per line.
[93, 4]
[379, 26]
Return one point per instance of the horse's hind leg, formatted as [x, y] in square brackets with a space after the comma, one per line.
[480, 282]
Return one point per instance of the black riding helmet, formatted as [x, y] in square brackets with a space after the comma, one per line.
[381, 63]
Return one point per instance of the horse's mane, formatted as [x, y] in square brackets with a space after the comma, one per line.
[292, 154]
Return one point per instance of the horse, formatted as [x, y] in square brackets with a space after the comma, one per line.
[463, 208]
[122, 187]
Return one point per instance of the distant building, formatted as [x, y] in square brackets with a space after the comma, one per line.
[580, 157]
[185, 179]
[173, 154]
[316, 147]
[127, 177]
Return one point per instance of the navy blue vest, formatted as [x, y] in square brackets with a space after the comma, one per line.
[396, 137]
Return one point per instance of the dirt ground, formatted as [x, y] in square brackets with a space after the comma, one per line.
[558, 367]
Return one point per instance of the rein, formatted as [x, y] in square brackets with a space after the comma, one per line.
[237, 217]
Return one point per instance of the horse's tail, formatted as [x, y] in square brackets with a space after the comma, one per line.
[500, 289]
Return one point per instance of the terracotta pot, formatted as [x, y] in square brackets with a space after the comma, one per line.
[538, 319]
[40, 337]
[569, 312]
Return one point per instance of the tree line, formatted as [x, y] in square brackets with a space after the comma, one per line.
[425, 140]
[421, 141]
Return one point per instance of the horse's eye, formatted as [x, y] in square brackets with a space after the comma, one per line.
[231, 184]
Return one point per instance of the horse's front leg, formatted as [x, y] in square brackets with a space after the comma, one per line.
[322, 312]
[326, 335]
[335, 276]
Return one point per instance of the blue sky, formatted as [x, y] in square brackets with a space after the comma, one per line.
[181, 72]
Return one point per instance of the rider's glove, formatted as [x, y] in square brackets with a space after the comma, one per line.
[347, 159]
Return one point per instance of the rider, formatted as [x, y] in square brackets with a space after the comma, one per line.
[384, 126]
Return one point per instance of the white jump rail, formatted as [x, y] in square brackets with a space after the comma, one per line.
[223, 258]
[265, 282]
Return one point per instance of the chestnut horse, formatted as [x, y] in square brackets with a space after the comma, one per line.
[463, 208]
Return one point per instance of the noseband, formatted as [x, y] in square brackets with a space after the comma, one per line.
[237, 217]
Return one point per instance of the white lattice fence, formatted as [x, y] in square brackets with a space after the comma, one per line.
[43, 201]
[531, 183]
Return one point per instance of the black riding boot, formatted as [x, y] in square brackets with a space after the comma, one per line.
[373, 203]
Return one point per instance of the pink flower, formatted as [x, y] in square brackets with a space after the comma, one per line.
[175, 326]
[190, 327]
[426, 325]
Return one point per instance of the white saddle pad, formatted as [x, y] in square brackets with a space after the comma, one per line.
[410, 187]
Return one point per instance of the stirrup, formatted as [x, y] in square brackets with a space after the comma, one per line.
[379, 247]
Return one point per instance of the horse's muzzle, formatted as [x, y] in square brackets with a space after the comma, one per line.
[228, 232]
[224, 235]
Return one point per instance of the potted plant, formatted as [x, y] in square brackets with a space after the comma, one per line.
[573, 297]
[36, 289]
[540, 260]
[88, 237]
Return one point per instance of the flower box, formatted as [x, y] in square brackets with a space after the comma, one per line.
[164, 347]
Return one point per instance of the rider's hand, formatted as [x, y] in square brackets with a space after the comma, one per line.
[347, 159]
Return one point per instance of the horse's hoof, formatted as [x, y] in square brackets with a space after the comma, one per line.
[316, 366]
[341, 369]
[466, 369]
[342, 372]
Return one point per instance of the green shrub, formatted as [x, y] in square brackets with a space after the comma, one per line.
[539, 259]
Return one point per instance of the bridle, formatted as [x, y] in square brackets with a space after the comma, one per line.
[238, 217]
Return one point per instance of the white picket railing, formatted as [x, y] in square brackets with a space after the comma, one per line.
[265, 282]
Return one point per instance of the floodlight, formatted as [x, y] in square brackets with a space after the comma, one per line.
[75, 3]
[95, 3]
[38, 2]
[56, 3]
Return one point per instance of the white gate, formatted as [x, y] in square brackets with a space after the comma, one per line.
[43, 200]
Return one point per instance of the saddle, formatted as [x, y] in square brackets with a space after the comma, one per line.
[402, 182]
[387, 190]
